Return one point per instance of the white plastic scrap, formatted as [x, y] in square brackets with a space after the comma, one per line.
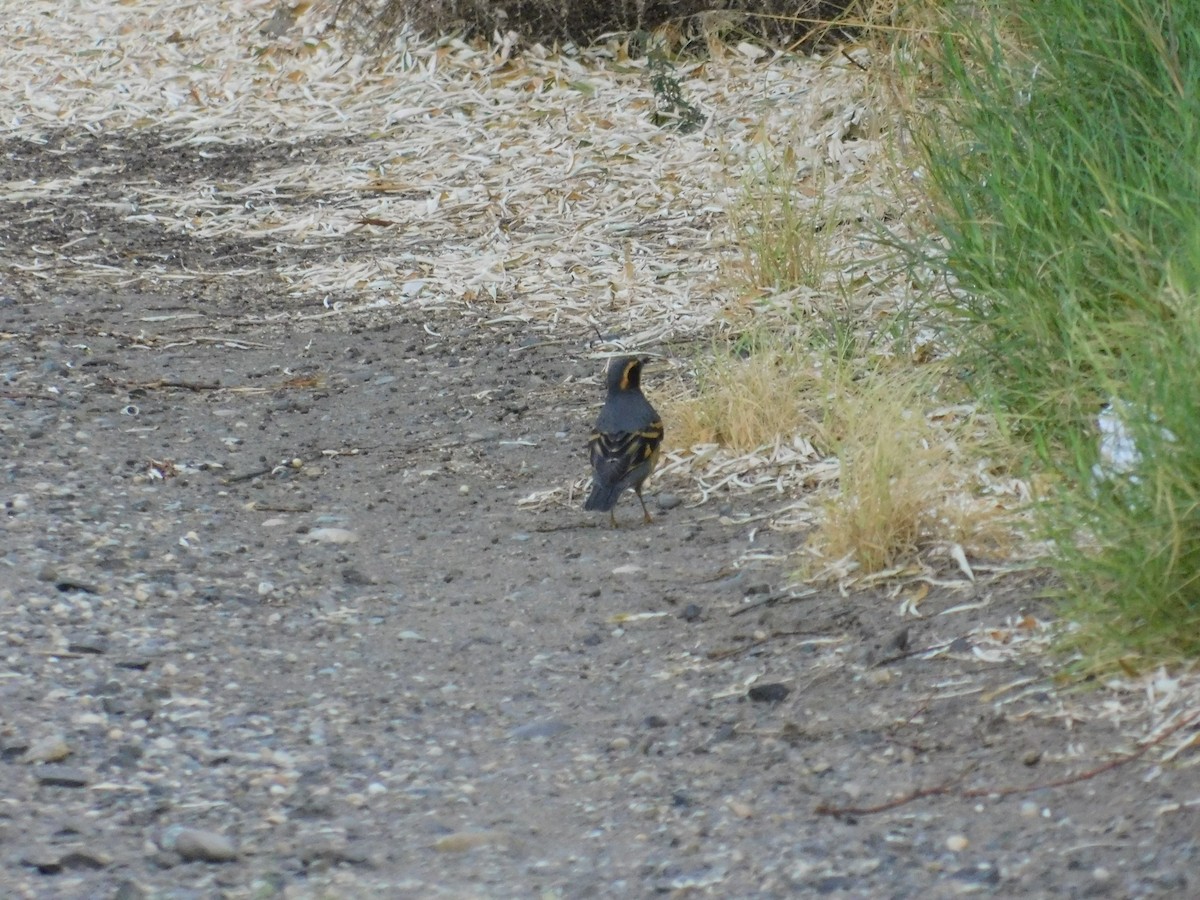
[1119, 453]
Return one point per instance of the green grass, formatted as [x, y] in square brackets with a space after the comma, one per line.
[1068, 194]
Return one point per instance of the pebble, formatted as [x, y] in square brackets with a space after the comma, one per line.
[84, 858]
[548, 729]
[462, 841]
[129, 890]
[61, 776]
[768, 693]
[54, 862]
[957, 843]
[642, 777]
[332, 535]
[52, 748]
[691, 613]
[333, 851]
[199, 845]
[667, 500]
[86, 644]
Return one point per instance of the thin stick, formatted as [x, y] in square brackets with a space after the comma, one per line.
[948, 790]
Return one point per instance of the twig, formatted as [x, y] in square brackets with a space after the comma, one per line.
[162, 383]
[853, 60]
[737, 651]
[26, 395]
[249, 476]
[916, 651]
[288, 465]
[772, 599]
[945, 790]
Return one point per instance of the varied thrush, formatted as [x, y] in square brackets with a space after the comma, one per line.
[625, 442]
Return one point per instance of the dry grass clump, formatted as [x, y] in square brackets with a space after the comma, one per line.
[790, 22]
[909, 476]
[749, 397]
[913, 473]
[893, 475]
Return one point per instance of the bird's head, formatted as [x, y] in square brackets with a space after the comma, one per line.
[625, 374]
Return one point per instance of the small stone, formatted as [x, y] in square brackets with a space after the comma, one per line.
[1029, 810]
[46, 862]
[691, 612]
[548, 729]
[667, 500]
[332, 535]
[982, 874]
[334, 851]
[68, 585]
[726, 731]
[900, 641]
[13, 748]
[653, 721]
[642, 777]
[129, 890]
[462, 841]
[199, 845]
[86, 644]
[957, 843]
[61, 776]
[741, 810]
[1032, 758]
[84, 858]
[768, 693]
[52, 748]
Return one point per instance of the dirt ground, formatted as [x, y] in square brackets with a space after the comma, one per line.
[275, 623]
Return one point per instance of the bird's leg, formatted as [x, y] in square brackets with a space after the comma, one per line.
[612, 516]
[646, 517]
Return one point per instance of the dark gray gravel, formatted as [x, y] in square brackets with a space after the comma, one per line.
[272, 624]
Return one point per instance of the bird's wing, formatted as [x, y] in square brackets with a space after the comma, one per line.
[616, 453]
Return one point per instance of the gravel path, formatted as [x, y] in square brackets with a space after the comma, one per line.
[274, 624]
[278, 619]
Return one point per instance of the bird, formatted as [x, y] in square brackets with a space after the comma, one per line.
[625, 442]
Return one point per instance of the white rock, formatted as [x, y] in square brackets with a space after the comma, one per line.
[332, 535]
[199, 845]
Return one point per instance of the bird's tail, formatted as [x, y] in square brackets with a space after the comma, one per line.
[603, 496]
